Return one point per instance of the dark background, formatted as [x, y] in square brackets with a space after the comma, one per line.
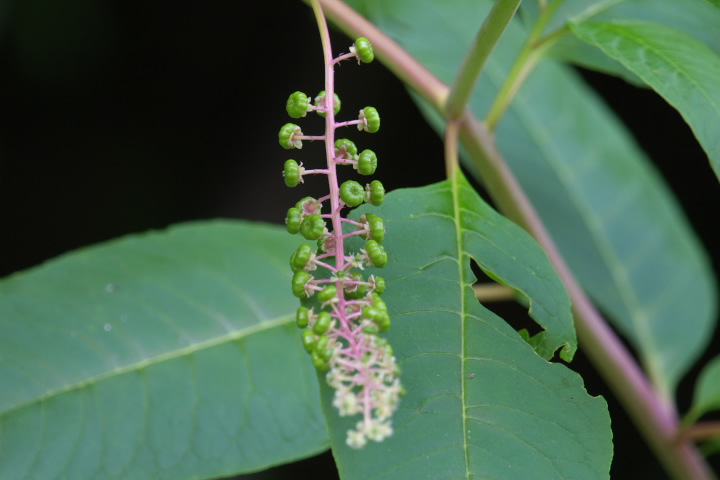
[124, 116]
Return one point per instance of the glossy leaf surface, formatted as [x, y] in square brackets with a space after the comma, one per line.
[681, 69]
[164, 355]
[614, 220]
[480, 403]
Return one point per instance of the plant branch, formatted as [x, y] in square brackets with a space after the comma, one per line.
[700, 432]
[484, 43]
[656, 420]
[493, 292]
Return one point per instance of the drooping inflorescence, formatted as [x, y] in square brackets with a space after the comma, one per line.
[342, 312]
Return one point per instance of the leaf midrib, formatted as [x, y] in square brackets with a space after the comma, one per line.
[147, 362]
[461, 275]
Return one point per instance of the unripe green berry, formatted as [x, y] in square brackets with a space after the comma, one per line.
[322, 324]
[326, 354]
[345, 149]
[297, 105]
[287, 134]
[292, 220]
[298, 283]
[363, 49]
[327, 294]
[371, 120]
[302, 317]
[379, 304]
[367, 163]
[312, 227]
[377, 227]
[291, 173]
[318, 361]
[376, 253]
[322, 343]
[370, 329]
[379, 285]
[320, 102]
[308, 341]
[375, 193]
[352, 193]
[383, 323]
[302, 256]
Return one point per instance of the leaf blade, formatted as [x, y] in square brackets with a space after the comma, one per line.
[161, 325]
[478, 396]
[681, 69]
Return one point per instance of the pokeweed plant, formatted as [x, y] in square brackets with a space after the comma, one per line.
[176, 355]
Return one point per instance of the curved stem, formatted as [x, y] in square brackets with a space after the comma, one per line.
[484, 43]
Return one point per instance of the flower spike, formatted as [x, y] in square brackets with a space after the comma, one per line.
[341, 324]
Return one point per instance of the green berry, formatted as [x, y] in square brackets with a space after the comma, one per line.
[291, 173]
[287, 136]
[352, 193]
[308, 340]
[320, 102]
[379, 304]
[367, 163]
[375, 193]
[376, 253]
[363, 49]
[322, 324]
[322, 343]
[292, 220]
[370, 118]
[377, 227]
[327, 293]
[297, 105]
[326, 354]
[345, 149]
[359, 292]
[312, 227]
[302, 317]
[301, 257]
[298, 283]
[318, 361]
[370, 329]
[379, 285]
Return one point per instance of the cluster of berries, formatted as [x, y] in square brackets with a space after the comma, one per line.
[342, 312]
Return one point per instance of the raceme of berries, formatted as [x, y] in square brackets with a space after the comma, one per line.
[342, 312]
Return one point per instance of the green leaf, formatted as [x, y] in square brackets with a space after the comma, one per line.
[164, 355]
[480, 403]
[694, 17]
[707, 391]
[614, 220]
[681, 69]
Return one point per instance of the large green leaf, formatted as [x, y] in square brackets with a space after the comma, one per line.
[166, 355]
[694, 17]
[614, 220]
[480, 403]
[681, 69]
